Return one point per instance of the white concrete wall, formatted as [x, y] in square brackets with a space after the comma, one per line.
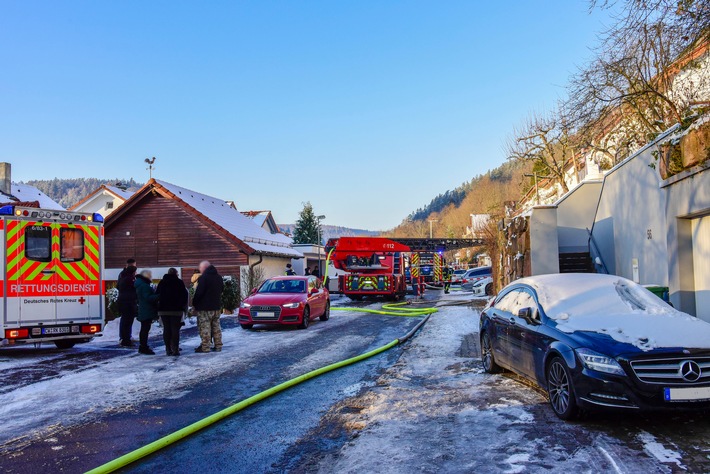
[630, 223]
[544, 247]
[688, 200]
[575, 214]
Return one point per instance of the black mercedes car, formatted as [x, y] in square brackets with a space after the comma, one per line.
[598, 341]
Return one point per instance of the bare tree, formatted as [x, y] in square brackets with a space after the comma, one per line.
[633, 88]
[545, 141]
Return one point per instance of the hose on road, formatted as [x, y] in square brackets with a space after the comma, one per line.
[155, 446]
[391, 309]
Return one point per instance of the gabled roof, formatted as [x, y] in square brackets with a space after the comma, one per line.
[220, 215]
[118, 192]
[26, 193]
[122, 193]
[261, 217]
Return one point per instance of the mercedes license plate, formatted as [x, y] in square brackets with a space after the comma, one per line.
[689, 394]
[58, 330]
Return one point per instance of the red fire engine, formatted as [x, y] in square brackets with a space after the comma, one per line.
[374, 266]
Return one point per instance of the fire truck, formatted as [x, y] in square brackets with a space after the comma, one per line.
[51, 280]
[374, 266]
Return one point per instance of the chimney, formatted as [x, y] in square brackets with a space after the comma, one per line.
[6, 178]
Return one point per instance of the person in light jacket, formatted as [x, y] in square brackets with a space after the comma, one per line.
[172, 304]
[147, 308]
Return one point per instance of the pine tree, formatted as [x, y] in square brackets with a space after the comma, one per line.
[308, 229]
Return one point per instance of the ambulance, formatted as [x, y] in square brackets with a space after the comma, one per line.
[51, 287]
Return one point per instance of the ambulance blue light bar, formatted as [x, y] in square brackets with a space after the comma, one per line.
[98, 217]
[7, 211]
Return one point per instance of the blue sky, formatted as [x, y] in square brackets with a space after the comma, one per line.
[366, 109]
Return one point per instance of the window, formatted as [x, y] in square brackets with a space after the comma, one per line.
[71, 245]
[507, 301]
[109, 205]
[38, 243]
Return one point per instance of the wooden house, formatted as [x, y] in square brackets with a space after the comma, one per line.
[163, 225]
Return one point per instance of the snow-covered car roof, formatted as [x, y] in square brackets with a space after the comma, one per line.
[618, 307]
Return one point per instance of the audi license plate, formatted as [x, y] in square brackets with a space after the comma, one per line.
[59, 330]
[689, 394]
[265, 314]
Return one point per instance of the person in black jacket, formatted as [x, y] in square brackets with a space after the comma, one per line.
[127, 302]
[172, 304]
[208, 304]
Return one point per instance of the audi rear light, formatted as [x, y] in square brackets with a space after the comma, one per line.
[16, 333]
[91, 329]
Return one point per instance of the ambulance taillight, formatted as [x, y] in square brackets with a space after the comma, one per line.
[16, 333]
[90, 329]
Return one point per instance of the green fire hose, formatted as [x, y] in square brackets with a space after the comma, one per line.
[155, 446]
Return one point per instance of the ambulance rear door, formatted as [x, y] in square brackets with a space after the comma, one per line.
[31, 297]
[77, 272]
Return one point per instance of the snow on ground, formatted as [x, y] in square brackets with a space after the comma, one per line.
[78, 396]
[435, 410]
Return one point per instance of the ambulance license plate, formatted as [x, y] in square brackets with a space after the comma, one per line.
[58, 330]
[690, 394]
[264, 314]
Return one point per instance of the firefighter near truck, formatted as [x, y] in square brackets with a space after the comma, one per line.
[374, 266]
[52, 286]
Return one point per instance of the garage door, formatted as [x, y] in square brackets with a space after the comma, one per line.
[701, 266]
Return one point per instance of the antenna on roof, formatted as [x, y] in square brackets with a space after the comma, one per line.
[151, 167]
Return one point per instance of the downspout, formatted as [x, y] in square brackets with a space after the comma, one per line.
[252, 265]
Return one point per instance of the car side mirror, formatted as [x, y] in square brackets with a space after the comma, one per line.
[527, 314]
[253, 291]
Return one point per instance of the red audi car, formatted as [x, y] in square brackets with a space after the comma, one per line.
[286, 300]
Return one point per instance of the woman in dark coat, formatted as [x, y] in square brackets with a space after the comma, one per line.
[127, 303]
[172, 304]
[147, 308]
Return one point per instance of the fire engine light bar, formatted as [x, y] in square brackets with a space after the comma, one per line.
[16, 333]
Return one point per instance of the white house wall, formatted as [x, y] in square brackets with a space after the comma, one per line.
[687, 211]
[630, 224]
[575, 214]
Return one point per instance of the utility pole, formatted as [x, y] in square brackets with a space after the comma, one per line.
[320, 244]
[151, 166]
[431, 228]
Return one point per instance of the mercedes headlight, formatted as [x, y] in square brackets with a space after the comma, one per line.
[599, 362]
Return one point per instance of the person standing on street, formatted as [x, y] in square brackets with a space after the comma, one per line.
[289, 270]
[147, 308]
[208, 304]
[127, 302]
[447, 279]
[316, 272]
[172, 304]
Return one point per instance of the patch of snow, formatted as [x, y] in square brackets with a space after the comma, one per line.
[658, 450]
[517, 462]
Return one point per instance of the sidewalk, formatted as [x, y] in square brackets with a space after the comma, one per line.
[436, 411]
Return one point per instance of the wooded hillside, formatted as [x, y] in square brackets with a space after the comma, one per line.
[68, 192]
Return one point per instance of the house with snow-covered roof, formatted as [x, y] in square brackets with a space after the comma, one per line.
[164, 225]
[22, 193]
[103, 200]
[265, 219]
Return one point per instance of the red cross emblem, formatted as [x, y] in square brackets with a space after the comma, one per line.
[82, 300]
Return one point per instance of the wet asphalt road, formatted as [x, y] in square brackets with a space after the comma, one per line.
[255, 440]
